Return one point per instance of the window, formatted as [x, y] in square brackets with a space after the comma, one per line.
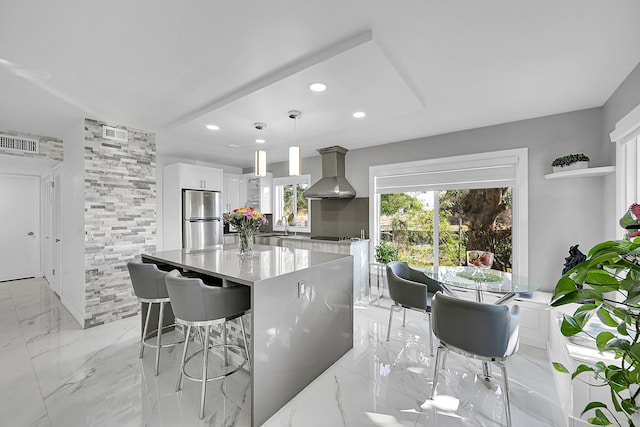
[437, 201]
[459, 220]
[292, 210]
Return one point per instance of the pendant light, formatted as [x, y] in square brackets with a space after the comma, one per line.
[295, 155]
[261, 163]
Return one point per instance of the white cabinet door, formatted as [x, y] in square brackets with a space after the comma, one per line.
[259, 192]
[189, 177]
[195, 177]
[211, 178]
[231, 192]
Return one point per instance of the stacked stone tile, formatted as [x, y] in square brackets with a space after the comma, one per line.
[50, 148]
[120, 218]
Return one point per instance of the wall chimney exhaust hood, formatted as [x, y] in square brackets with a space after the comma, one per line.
[333, 184]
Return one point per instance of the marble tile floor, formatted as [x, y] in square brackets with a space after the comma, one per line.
[53, 373]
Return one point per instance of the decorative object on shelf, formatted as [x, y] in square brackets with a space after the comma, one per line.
[248, 222]
[295, 156]
[386, 252]
[608, 268]
[575, 257]
[260, 166]
[570, 162]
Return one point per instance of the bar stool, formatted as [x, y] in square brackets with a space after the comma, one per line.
[195, 304]
[149, 287]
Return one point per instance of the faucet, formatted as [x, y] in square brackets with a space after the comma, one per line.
[285, 222]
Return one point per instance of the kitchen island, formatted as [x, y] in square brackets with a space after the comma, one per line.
[302, 313]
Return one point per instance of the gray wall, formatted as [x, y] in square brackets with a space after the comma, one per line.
[561, 212]
[623, 100]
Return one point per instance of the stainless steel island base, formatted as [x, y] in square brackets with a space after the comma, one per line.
[302, 313]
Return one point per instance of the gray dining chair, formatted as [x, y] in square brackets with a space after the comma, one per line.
[410, 288]
[198, 305]
[487, 332]
[149, 287]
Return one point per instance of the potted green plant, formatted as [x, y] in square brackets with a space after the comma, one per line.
[386, 252]
[570, 162]
[607, 285]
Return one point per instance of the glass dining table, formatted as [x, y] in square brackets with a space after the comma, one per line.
[482, 280]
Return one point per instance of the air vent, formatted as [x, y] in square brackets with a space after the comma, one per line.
[9, 142]
[116, 134]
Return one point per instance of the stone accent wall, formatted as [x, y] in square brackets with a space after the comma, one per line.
[50, 148]
[120, 218]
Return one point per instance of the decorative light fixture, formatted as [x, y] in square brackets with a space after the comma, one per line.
[213, 127]
[295, 161]
[295, 155]
[261, 141]
[359, 114]
[261, 163]
[317, 87]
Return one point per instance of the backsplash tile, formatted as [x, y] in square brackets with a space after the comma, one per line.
[340, 217]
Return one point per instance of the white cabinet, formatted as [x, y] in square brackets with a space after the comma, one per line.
[257, 192]
[231, 192]
[175, 178]
[196, 177]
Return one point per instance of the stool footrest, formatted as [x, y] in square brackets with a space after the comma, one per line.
[219, 377]
[153, 334]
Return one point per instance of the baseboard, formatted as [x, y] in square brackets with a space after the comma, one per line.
[77, 314]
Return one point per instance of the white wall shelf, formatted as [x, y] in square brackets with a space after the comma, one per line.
[578, 173]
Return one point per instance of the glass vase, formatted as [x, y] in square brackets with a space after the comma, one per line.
[245, 244]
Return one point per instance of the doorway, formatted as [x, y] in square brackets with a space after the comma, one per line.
[52, 243]
[19, 227]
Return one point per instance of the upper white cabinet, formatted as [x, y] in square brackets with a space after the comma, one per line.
[259, 192]
[231, 192]
[196, 177]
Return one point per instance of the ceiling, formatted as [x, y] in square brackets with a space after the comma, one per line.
[423, 68]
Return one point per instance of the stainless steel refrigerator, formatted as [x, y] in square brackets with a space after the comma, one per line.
[201, 219]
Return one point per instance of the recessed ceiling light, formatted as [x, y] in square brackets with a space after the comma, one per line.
[213, 127]
[359, 114]
[318, 87]
[234, 145]
[260, 141]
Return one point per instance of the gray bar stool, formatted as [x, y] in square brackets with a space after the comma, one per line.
[149, 287]
[195, 304]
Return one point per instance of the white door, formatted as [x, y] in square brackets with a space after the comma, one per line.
[19, 226]
[56, 253]
[52, 243]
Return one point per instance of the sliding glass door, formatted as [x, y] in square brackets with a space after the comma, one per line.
[458, 220]
[435, 210]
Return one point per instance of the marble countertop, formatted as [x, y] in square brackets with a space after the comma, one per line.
[264, 263]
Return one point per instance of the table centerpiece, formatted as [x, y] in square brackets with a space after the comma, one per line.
[248, 222]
